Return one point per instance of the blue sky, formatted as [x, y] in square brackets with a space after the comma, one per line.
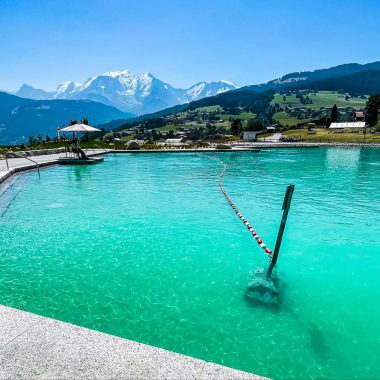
[44, 43]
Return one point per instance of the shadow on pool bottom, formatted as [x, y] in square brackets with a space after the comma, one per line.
[268, 294]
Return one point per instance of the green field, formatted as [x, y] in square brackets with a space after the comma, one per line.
[320, 99]
[241, 116]
[286, 119]
[169, 127]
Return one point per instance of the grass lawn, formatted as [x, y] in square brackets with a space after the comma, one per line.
[326, 135]
[286, 119]
[242, 116]
[169, 127]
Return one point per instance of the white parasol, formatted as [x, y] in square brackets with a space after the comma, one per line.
[79, 128]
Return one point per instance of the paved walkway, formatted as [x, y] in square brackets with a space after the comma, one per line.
[34, 347]
[273, 138]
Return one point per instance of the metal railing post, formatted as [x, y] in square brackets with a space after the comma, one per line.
[6, 161]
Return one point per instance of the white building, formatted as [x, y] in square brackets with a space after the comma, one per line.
[250, 135]
[353, 124]
[180, 142]
[138, 142]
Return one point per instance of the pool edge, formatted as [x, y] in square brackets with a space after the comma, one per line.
[34, 346]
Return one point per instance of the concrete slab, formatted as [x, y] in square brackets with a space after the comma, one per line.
[14, 323]
[50, 349]
[215, 371]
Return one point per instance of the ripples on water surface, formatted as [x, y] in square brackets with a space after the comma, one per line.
[146, 247]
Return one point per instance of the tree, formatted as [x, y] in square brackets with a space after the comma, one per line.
[378, 126]
[284, 98]
[372, 109]
[334, 113]
[254, 125]
[236, 126]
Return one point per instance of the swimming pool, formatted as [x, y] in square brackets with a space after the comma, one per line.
[145, 246]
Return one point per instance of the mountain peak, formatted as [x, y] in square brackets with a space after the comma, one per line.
[148, 74]
[25, 86]
[27, 91]
[228, 83]
[116, 74]
[68, 86]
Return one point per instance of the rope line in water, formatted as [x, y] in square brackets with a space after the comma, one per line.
[254, 234]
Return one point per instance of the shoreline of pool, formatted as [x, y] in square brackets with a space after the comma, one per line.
[32, 346]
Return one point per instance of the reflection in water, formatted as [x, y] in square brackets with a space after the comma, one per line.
[343, 159]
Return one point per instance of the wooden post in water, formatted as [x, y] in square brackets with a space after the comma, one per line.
[285, 207]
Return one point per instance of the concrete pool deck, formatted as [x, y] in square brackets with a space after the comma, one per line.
[35, 347]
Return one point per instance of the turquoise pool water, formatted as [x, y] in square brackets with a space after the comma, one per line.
[145, 246]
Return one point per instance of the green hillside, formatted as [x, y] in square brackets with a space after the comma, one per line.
[295, 107]
[321, 99]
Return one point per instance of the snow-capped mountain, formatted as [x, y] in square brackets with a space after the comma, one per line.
[140, 94]
[26, 91]
[203, 89]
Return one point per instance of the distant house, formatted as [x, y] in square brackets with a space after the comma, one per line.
[359, 116]
[175, 141]
[179, 142]
[250, 135]
[274, 127]
[180, 134]
[138, 142]
[354, 124]
[132, 145]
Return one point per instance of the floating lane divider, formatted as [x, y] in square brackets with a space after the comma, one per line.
[249, 227]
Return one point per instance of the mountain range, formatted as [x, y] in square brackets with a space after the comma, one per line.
[138, 94]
